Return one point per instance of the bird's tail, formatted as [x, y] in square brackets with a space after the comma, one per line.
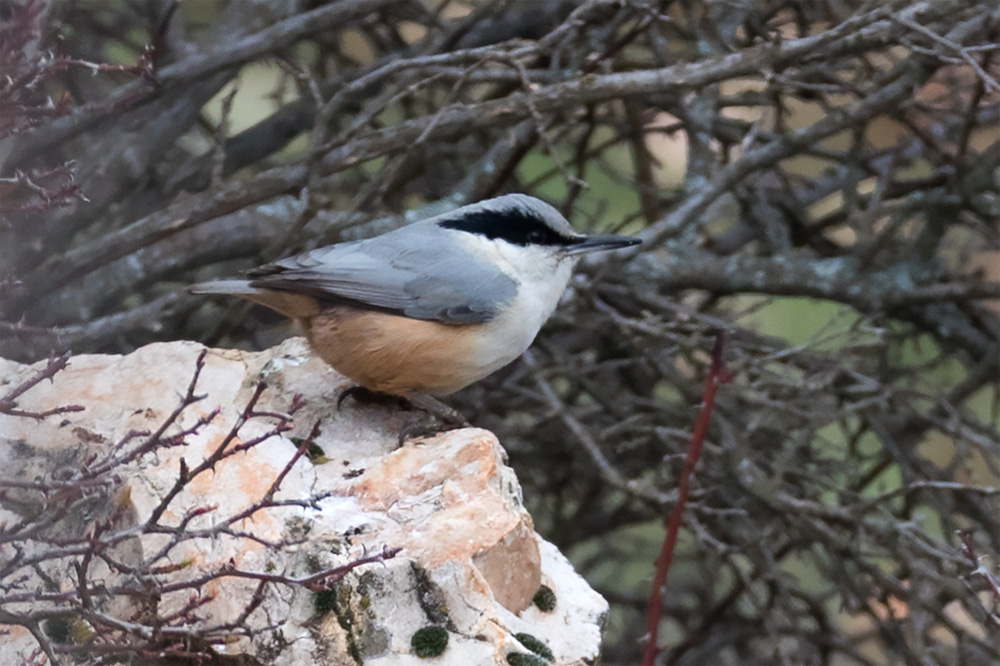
[296, 306]
[234, 287]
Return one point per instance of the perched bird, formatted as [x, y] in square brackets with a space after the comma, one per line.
[434, 306]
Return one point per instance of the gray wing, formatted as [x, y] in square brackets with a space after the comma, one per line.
[415, 271]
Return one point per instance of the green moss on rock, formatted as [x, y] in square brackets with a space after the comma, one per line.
[525, 659]
[545, 599]
[429, 641]
[536, 646]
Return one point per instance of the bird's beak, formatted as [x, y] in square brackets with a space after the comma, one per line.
[599, 243]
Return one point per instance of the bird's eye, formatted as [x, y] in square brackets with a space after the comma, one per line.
[536, 237]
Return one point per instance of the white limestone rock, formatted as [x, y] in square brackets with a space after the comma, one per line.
[470, 559]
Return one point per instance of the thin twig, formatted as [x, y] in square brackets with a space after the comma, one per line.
[717, 375]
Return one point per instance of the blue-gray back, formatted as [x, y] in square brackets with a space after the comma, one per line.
[418, 271]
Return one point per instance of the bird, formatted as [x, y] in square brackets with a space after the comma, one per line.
[433, 306]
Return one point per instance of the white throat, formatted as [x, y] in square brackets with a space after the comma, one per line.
[542, 274]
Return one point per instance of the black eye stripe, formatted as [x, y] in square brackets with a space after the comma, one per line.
[518, 227]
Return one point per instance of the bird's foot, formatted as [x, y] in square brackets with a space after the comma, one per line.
[433, 406]
[370, 397]
[445, 418]
[442, 418]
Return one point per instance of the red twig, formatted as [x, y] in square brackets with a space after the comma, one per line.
[8, 403]
[969, 550]
[717, 375]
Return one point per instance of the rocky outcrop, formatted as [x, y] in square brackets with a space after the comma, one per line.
[288, 531]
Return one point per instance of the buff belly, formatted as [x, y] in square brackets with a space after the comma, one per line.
[399, 355]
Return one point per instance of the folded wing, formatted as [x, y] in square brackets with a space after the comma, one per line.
[404, 272]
